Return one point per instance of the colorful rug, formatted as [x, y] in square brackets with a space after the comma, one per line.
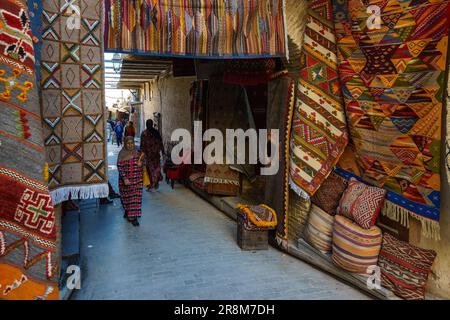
[393, 83]
[28, 245]
[196, 28]
[447, 140]
[73, 99]
[249, 72]
[319, 133]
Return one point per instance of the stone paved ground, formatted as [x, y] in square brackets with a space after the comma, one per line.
[186, 249]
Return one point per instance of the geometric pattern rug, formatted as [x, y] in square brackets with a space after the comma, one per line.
[73, 99]
[319, 129]
[393, 68]
[196, 28]
[28, 244]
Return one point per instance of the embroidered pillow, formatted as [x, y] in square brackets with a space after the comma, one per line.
[330, 192]
[361, 203]
[404, 268]
[319, 229]
[355, 248]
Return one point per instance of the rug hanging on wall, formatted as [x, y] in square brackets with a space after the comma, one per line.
[392, 68]
[28, 245]
[319, 132]
[280, 104]
[212, 28]
[73, 99]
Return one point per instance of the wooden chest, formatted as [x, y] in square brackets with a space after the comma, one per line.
[251, 239]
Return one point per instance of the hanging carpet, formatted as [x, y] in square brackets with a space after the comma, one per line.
[392, 69]
[319, 133]
[73, 99]
[201, 28]
[28, 244]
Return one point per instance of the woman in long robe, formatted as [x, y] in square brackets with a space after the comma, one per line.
[130, 166]
[151, 146]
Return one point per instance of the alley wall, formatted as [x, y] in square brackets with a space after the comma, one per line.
[171, 98]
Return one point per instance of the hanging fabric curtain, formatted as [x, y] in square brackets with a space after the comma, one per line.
[196, 28]
[28, 244]
[319, 131]
[393, 59]
[72, 88]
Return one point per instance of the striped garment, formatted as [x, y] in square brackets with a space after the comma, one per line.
[131, 195]
[319, 229]
[355, 248]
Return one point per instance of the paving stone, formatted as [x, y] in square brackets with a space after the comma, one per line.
[186, 249]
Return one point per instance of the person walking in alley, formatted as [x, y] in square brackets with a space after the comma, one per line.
[129, 130]
[151, 146]
[130, 166]
[118, 129]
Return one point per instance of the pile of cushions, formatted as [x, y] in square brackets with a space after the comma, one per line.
[342, 221]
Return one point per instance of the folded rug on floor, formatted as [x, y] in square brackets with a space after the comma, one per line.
[392, 75]
[319, 133]
[28, 244]
[200, 28]
[73, 100]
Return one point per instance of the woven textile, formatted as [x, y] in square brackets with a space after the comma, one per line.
[131, 194]
[355, 248]
[361, 203]
[393, 82]
[28, 244]
[447, 144]
[319, 229]
[73, 99]
[319, 133]
[200, 28]
[278, 94]
[329, 194]
[249, 72]
[259, 217]
[404, 267]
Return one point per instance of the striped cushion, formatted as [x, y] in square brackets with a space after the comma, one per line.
[319, 229]
[355, 248]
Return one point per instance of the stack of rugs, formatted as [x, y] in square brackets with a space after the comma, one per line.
[342, 221]
[260, 217]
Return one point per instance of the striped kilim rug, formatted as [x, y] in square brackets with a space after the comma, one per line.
[393, 64]
[28, 251]
[73, 99]
[319, 132]
[212, 28]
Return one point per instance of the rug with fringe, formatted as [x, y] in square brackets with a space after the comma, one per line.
[73, 99]
[28, 244]
[392, 69]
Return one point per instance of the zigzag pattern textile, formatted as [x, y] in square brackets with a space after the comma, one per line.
[319, 133]
[196, 28]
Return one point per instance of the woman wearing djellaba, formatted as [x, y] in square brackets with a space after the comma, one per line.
[151, 146]
[130, 166]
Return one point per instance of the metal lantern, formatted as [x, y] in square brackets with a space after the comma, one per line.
[117, 62]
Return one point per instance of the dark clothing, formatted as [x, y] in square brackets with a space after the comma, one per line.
[151, 145]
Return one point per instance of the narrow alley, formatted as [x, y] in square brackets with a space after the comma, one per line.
[186, 249]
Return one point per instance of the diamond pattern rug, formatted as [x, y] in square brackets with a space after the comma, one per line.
[73, 99]
[393, 82]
